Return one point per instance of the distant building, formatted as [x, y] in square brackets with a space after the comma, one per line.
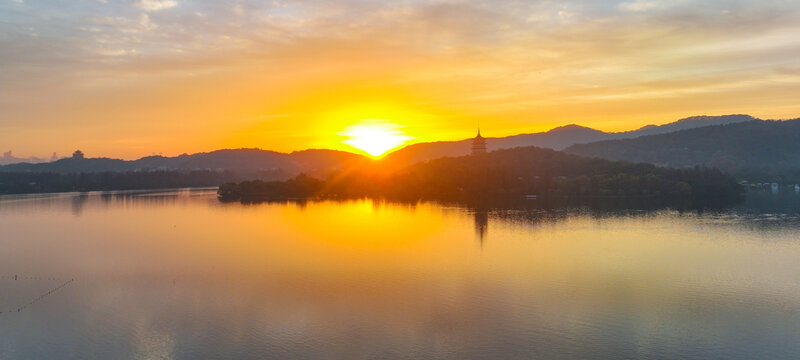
[77, 154]
[478, 144]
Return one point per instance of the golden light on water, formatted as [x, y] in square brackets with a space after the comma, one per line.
[375, 137]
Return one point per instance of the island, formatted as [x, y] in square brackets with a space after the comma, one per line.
[518, 173]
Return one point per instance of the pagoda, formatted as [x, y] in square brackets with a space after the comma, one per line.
[478, 144]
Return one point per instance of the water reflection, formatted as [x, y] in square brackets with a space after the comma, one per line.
[481, 224]
[99, 199]
[180, 275]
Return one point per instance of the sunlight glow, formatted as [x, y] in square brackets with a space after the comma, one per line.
[375, 137]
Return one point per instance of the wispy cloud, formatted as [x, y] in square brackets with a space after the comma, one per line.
[647, 5]
[522, 64]
[155, 5]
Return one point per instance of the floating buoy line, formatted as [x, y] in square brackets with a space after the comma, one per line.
[17, 277]
[44, 295]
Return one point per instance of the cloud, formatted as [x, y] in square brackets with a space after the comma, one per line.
[116, 52]
[508, 60]
[155, 5]
[646, 5]
[145, 23]
[110, 27]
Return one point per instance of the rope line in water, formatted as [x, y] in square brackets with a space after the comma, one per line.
[17, 277]
[40, 297]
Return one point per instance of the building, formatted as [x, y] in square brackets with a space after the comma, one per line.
[478, 144]
[77, 154]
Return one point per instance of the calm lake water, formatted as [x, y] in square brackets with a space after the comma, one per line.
[163, 275]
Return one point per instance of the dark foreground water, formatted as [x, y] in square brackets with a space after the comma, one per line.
[178, 275]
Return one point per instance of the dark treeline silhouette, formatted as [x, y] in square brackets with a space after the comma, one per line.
[510, 174]
[23, 183]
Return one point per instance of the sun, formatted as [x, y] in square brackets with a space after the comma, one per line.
[374, 136]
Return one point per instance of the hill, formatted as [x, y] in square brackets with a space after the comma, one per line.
[256, 162]
[689, 123]
[752, 150]
[557, 139]
[509, 174]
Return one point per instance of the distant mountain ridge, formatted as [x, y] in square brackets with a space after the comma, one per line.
[269, 164]
[557, 139]
[9, 158]
[690, 123]
[753, 150]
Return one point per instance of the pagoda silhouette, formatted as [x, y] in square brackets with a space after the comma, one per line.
[478, 144]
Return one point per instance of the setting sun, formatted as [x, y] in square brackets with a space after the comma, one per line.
[375, 137]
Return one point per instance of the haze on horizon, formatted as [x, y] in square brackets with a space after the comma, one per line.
[131, 78]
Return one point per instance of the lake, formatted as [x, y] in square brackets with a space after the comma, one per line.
[179, 275]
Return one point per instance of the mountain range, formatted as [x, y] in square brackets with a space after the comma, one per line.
[556, 139]
[740, 144]
[261, 163]
[752, 150]
[9, 158]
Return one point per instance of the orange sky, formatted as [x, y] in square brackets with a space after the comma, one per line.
[168, 76]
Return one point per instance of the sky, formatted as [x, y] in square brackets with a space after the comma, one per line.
[133, 78]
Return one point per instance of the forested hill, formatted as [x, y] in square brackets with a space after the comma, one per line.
[510, 173]
[753, 150]
[557, 139]
[268, 164]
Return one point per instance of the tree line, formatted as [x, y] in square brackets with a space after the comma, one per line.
[32, 182]
[510, 173]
